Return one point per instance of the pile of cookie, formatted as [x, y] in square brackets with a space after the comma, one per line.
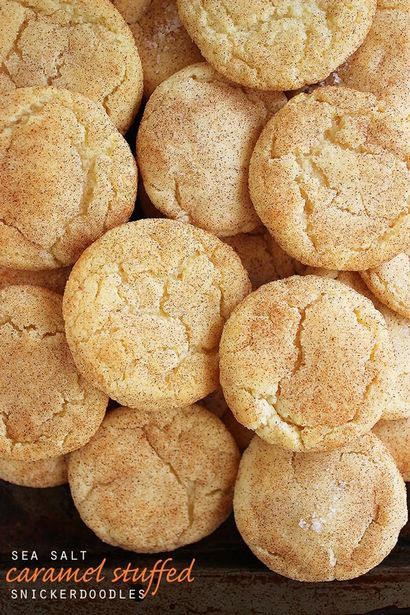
[262, 304]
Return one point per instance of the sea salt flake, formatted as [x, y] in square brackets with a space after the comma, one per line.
[317, 524]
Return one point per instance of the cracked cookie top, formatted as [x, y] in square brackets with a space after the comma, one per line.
[82, 45]
[277, 44]
[66, 176]
[397, 403]
[320, 516]
[390, 282]
[329, 177]
[39, 474]
[263, 258]
[144, 309]
[382, 64]
[194, 145]
[155, 482]
[305, 363]
[53, 279]
[395, 435]
[163, 43]
[46, 407]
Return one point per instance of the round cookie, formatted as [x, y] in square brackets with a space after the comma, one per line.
[40, 474]
[320, 516]
[215, 403]
[46, 408]
[277, 45]
[66, 176]
[305, 363]
[144, 309]
[163, 43]
[263, 258]
[390, 282]
[330, 181]
[53, 279]
[83, 46]
[397, 403]
[395, 435]
[382, 64]
[194, 144]
[155, 482]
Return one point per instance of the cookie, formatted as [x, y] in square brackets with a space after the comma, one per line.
[305, 363]
[66, 176]
[43, 473]
[163, 43]
[53, 279]
[83, 46]
[277, 45]
[329, 179]
[320, 516]
[194, 144]
[263, 258]
[390, 282]
[215, 403]
[397, 403]
[155, 482]
[395, 435]
[46, 408]
[382, 64]
[144, 309]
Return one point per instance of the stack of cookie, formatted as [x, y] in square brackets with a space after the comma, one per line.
[261, 306]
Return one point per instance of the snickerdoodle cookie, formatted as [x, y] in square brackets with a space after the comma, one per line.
[53, 279]
[395, 435]
[305, 363]
[390, 282]
[397, 402]
[163, 43]
[46, 408]
[144, 309]
[194, 145]
[40, 474]
[66, 176]
[320, 516]
[329, 179]
[82, 45]
[155, 482]
[263, 258]
[277, 44]
[382, 64]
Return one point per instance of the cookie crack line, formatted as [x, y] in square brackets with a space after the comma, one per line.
[274, 401]
[34, 244]
[376, 379]
[29, 329]
[188, 485]
[15, 44]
